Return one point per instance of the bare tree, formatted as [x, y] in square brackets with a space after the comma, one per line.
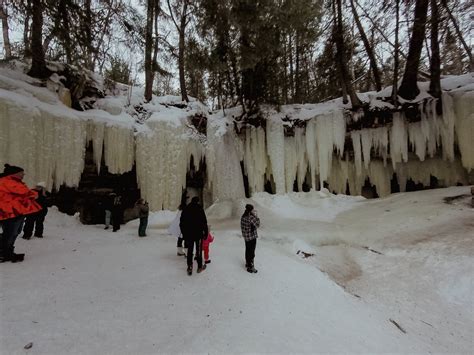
[435, 61]
[38, 64]
[341, 57]
[409, 87]
[152, 11]
[459, 33]
[181, 28]
[395, 55]
[368, 48]
[6, 36]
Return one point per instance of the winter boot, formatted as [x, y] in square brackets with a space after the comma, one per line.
[27, 237]
[4, 256]
[190, 271]
[17, 258]
[202, 268]
[208, 261]
[252, 270]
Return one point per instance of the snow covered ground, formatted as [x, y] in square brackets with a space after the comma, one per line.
[336, 274]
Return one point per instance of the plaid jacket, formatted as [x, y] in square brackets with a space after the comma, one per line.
[249, 224]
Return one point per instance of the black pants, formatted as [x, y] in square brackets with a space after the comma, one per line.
[250, 252]
[190, 244]
[180, 242]
[34, 221]
[11, 228]
[117, 216]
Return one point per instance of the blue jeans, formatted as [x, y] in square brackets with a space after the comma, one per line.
[108, 214]
[11, 228]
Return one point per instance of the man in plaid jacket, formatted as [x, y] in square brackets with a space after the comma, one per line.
[249, 222]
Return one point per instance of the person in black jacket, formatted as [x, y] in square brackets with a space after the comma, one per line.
[35, 221]
[193, 224]
[117, 211]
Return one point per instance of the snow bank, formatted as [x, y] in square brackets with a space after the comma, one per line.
[313, 206]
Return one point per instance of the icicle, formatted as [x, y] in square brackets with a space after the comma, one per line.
[464, 108]
[417, 139]
[119, 148]
[162, 162]
[227, 179]
[291, 163]
[95, 133]
[48, 144]
[355, 135]
[339, 131]
[312, 151]
[276, 153]
[366, 139]
[301, 156]
[447, 127]
[380, 176]
[255, 158]
[380, 142]
[339, 175]
[330, 134]
[398, 140]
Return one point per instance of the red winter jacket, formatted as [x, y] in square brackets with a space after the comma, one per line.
[16, 199]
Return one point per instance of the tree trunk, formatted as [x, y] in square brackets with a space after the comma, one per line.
[26, 30]
[458, 32]
[63, 14]
[88, 35]
[181, 56]
[409, 88]
[340, 55]
[38, 64]
[435, 62]
[297, 98]
[6, 36]
[395, 55]
[368, 49]
[149, 50]
[292, 83]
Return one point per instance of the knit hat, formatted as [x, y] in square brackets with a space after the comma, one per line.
[11, 169]
[249, 207]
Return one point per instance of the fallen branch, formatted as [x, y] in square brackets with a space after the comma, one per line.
[398, 326]
[373, 251]
[427, 323]
[305, 255]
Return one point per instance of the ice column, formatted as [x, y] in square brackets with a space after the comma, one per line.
[464, 108]
[276, 153]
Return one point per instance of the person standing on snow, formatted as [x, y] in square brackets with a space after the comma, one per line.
[116, 212]
[249, 222]
[175, 230]
[107, 204]
[35, 221]
[205, 245]
[193, 224]
[16, 201]
[143, 211]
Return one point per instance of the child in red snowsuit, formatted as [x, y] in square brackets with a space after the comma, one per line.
[205, 245]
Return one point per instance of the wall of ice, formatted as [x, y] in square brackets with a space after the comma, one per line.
[49, 141]
[411, 150]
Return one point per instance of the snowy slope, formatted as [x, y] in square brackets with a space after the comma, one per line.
[85, 290]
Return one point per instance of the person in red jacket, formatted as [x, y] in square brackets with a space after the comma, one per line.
[16, 201]
[205, 245]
